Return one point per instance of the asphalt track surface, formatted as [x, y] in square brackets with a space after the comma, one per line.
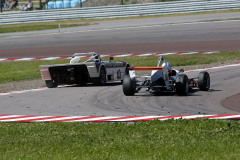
[109, 100]
[184, 33]
[215, 32]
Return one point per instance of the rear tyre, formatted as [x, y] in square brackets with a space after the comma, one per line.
[204, 81]
[127, 70]
[182, 84]
[51, 83]
[102, 77]
[129, 86]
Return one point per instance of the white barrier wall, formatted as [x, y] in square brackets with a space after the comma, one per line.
[186, 6]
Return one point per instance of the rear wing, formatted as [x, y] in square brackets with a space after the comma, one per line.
[145, 68]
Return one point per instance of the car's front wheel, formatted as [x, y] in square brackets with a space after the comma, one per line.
[129, 85]
[204, 81]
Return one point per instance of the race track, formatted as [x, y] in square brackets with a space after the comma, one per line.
[109, 100]
[215, 32]
[138, 36]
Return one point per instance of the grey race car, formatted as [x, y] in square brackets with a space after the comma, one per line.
[163, 78]
[94, 70]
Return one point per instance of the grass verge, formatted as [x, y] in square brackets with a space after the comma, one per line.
[39, 26]
[171, 139]
[84, 22]
[25, 70]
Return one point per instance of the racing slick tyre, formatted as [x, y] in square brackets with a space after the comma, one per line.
[102, 77]
[127, 70]
[182, 84]
[204, 81]
[129, 86]
[51, 83]
[126, 73]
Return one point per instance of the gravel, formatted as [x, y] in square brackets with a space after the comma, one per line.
[22, 85]
[39, 83]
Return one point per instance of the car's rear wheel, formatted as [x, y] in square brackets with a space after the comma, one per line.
[51, 83]
[127, 70]
[182, 84]
[129, 85]
[204, 81]
[102, 77]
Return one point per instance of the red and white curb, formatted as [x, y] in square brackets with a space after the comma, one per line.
[45, 88]
[114, 55]
[25, 118]
[23, 91]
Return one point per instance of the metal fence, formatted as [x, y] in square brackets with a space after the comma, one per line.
[160, 8]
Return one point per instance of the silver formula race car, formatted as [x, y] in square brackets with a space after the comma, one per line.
[94, 70]
[163, 78]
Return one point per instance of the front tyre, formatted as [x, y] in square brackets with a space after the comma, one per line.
[51, 83]
[129, 86]
[182, 84]
[204, 81]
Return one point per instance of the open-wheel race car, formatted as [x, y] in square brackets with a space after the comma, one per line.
[93, 70]
[163, 78]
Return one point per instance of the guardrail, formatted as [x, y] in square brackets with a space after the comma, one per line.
[161, 8]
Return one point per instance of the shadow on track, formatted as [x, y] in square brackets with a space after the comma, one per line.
[191, 92]
[90, 85]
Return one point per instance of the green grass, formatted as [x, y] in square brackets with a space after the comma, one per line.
[84, 22]
[38, 26]
[183, 60]
[171, 139]
[24, 70]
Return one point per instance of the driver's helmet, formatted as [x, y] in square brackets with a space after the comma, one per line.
[169, 67]
[96, 57]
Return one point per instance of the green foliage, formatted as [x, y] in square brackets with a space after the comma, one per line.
[24, 70]
[171, 139]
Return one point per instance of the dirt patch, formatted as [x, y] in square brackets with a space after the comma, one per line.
[232, 102]
[39, 83]
[22, 85]
[202, 66]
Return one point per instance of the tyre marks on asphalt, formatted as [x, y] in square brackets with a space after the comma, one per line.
[110, 100]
